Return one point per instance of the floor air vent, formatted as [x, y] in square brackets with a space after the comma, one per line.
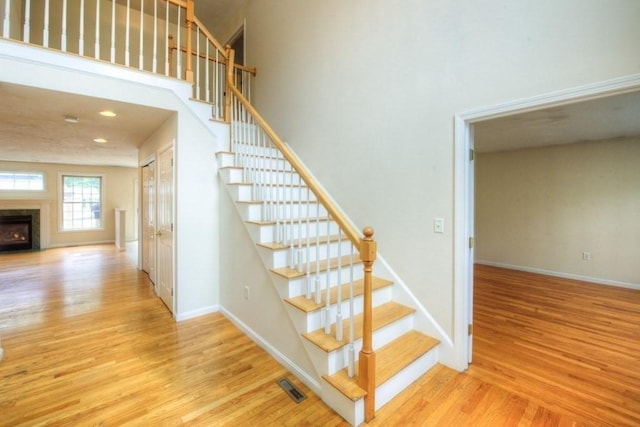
[291, 390]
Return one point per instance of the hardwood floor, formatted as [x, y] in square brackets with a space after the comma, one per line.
[570, 346]
[87, 343]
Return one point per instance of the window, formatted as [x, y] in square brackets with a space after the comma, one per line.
[81, 202]
[21, 181]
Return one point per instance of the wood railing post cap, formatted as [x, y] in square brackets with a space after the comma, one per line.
[368, 232]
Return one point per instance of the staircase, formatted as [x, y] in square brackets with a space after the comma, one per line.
[319, 274]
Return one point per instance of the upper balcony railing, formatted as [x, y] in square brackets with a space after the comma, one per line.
[158, 36]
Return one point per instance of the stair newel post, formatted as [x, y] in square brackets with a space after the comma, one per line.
[189, 21]
[367, 362]
[229, 82]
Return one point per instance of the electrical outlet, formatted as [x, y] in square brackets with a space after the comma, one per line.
[586, 256]
[246, 292]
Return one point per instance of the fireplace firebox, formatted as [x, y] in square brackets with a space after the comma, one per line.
[19, 230]
[16, 233]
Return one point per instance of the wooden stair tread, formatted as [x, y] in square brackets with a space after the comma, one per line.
[322, 219]
[279, 186]
[308, 305]
[289, 273]
[390, 360]
[383, 315]
[303, 242]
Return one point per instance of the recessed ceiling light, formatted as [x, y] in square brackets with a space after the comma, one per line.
[99, 140]
[71, 119]
[108, 113]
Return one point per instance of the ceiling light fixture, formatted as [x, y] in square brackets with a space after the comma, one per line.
[108, 113]
[99, 140]
[71, 119]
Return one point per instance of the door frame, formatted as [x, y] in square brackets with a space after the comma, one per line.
[464, 187]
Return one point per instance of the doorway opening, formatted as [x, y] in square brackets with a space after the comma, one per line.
[465, 189]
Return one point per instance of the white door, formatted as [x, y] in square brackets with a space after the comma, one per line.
[149, 221]
[471, 233]
[164, 231]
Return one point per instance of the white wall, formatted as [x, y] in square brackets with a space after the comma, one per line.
[196, 188]
[263, 313]
[366, 91]
[118, 192]
[541, 208]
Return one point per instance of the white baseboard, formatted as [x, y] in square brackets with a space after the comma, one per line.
[196, 313]
[561, 274]
[273, 352]
[70, 245]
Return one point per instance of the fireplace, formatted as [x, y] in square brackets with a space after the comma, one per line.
[19, 230]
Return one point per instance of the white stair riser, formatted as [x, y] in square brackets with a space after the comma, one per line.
[264, 175]
[225, 160]
[266, 233]
[263, 211]
[328, 364]
[352, 412]
[267, 211]
[311, 321]
[254, 150]
[262, 163]
[297, 257]
[251, 193]
[286, 232]
[396, 384]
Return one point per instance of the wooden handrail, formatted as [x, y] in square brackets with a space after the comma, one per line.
[320, 194]
[210, 36]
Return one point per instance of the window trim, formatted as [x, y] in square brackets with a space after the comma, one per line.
[61, 176]
[30, 172]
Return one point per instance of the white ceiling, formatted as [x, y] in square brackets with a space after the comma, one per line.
[598, 119]
[32, 128]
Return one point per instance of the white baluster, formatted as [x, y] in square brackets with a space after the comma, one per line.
[179, 50]
[216, 83]
[327, 286]
[166, 39]
[154, 60]
[197, 63]
[317, 287]
[308, 268]
[339, 284]
[26, 32]
[63, 34]
[127, 30]
[206, 74]
[113, 31]
[350, 350]
[45, 30]
[96, 48]
[141, 47]
[291, 226]
[300, 251]
[6, 24]
[81, 35]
